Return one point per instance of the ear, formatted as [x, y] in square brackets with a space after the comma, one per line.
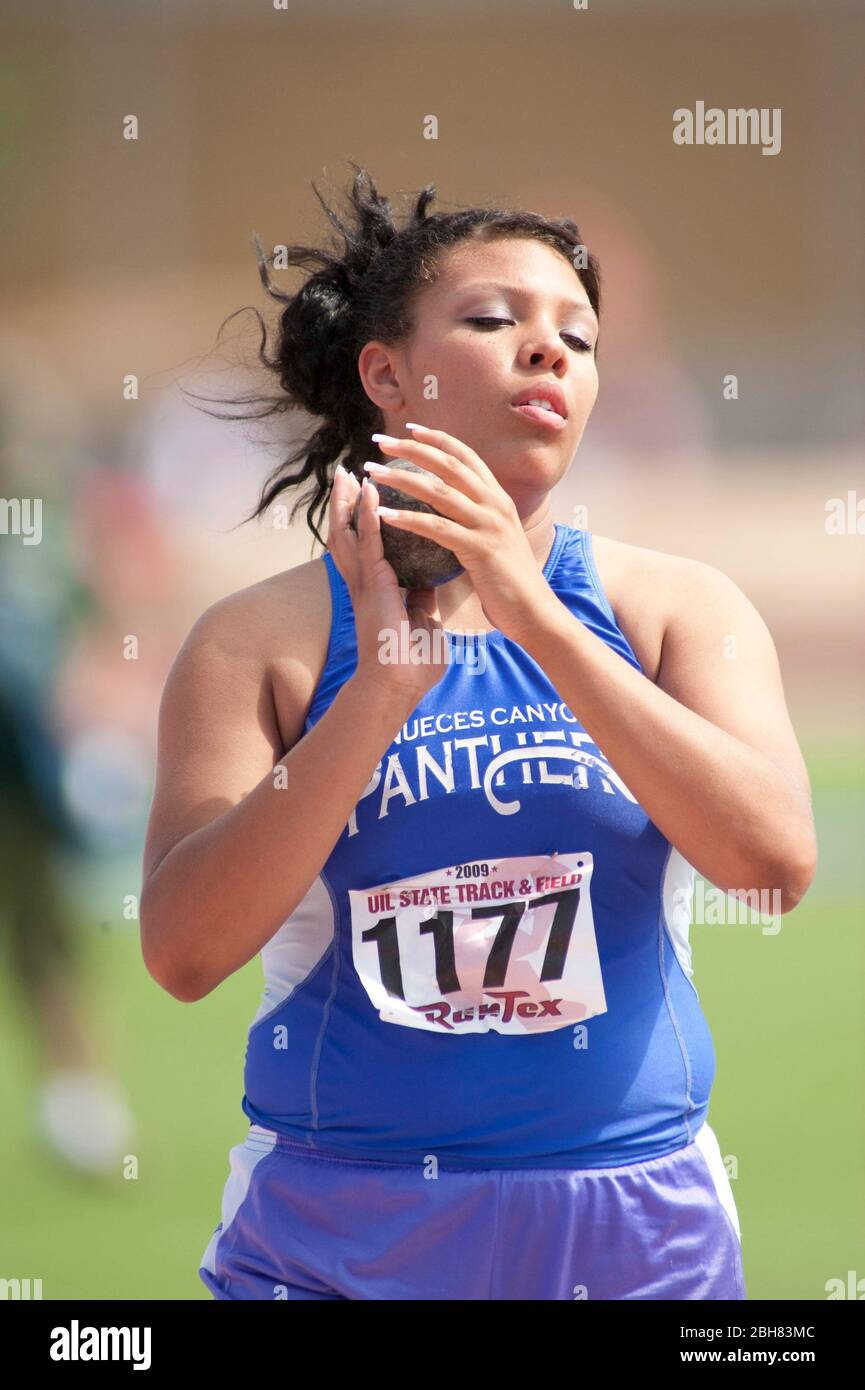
[378, 367]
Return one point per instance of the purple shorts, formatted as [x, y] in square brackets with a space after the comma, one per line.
[301, 1225]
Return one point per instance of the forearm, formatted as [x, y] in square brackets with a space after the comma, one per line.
[220, 894]
[726, 807]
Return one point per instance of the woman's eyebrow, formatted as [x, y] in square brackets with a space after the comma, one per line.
[518, 293]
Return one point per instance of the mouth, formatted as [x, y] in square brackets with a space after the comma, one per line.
[543, 405]
[541, 415]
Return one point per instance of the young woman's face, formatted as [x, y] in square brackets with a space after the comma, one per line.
[462, 376]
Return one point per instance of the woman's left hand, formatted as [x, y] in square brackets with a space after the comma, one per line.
[479, 522]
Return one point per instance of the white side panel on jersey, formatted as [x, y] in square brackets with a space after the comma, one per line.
[292, 952]
[676, 895]
[707, 1142]
[242, 1158]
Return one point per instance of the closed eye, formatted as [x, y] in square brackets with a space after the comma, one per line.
[568, 337]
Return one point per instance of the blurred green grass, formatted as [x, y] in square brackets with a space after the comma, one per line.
[786, 1013]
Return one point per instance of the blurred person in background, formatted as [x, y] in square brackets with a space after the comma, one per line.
[78, 723]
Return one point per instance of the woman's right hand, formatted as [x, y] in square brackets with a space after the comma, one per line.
[377, 599]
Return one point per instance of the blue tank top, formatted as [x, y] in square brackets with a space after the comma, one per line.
[493, 964]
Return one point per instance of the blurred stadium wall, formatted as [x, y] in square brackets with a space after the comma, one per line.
[125, 256]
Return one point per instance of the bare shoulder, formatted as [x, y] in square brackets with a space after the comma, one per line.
[236, 699]
[649, 589]
[273, 635]
[276, 615]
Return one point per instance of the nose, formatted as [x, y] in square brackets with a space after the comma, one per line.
[545, 351]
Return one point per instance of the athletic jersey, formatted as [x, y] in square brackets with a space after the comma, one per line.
[492, 966]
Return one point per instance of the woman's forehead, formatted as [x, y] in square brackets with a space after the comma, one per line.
[503, 265]
[565, 291]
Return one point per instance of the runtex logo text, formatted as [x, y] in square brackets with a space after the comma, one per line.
[76, 1343]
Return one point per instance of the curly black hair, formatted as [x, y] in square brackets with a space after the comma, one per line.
[362, 290]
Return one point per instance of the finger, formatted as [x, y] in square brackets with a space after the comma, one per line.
[352, 487]
[452, 447]
[342, 492]
[456, 472]
[368, 524]
[351, 482]
[433, 489]
[449, 443]
[341, 539]
[440, 529]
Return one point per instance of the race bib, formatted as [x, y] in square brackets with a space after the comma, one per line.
[507, 944]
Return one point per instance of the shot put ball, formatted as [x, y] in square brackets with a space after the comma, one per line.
[417, 562]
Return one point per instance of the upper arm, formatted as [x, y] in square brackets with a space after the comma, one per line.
[218, 733]
[718, 658]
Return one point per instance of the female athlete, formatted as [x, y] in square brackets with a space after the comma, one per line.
[480, 1068]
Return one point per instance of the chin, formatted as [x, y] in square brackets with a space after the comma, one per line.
[537, 462]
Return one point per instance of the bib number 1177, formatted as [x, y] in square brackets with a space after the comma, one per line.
[507, 945]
